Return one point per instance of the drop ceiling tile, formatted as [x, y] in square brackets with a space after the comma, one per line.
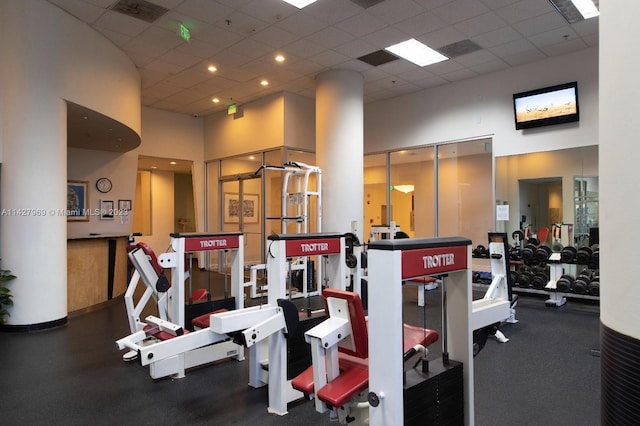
[525, 57]
[197, 48]
[461, 74]
[496, 4]
[161, 65]
[302, 48]
[523, 10]
[270, 11]
[355, 48]
[571, 45]
[553, 37]
[188, 78]
[587, 27]
[442, 37]
[275, 37]
[480, 24]
[386, 37]
[177, 58]
[205, 10]
[329, 58]
[123, 24]
[333, 11]
[476, 58]
[489, 67]
[397, 67]
[497, 37]
[217, 37]
[431, 82]
[305, 67]
[540, 24]
[355, 65]
[395, 11]
[416, 75]
[242, 24]
[302, 24]
[515, 47]
[330, 37]
[361, 24]
[460, 10]
[250, 48]
[445, 67]
[137, 47]
[160, 37]
[420, 24]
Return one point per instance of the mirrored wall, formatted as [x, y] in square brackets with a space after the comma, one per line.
[547, 188]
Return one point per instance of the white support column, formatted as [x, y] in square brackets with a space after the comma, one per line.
[339, 149]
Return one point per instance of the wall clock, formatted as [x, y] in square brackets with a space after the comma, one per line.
[104, 185]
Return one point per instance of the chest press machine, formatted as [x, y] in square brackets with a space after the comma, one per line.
[170, 356]
[443, 390]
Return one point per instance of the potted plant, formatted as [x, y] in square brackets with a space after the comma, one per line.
[5, 294]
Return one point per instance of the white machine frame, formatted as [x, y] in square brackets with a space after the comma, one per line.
[391, 262]
[263, 327]
[172, 357]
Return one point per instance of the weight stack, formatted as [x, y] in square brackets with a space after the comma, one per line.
[436, 397]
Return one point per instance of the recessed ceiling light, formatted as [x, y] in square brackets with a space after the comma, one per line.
[279, 58]
[215, 100]
[300, 3]
[173, 163]
[418, 53]
[212, 68]
[251, 157]
[264, 83]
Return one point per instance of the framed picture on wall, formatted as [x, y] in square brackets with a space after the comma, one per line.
[77, 201]
[106, 209]
[250, 209]
[124, 205]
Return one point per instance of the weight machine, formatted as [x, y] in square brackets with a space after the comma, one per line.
[497, 297]
[263, 329]
[153, 340]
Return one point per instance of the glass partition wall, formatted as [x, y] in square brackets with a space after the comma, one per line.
[242, 195]
[441, 190]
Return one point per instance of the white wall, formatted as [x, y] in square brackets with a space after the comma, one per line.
[282, 119]
[177, 136]
[89, 165]
[483, 106]
[619, 171]
[48, 57]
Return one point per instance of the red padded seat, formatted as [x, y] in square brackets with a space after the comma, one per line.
[353, 365]
[159, 334]
[203, 321]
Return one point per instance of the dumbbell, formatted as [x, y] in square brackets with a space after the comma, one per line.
[583, 255]
[513, 277]
[515, 254]
[568, 254]
[581, 283]
[525, 278]
[594, 285]
[528, 252]
[480, 251]
[542, 253]
[595, 254]
[564, 283]
[539, 280]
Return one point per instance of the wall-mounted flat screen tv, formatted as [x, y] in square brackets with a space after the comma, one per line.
[546, 106]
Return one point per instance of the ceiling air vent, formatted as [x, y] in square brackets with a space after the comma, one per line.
[140, 9]
[366, 3]
[378, 57]
[567, 9]
[458, 48]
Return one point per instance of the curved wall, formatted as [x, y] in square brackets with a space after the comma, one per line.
[57, 59]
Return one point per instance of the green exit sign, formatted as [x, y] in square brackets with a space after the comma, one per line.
[184, 32]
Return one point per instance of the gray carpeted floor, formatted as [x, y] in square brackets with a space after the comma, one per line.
[73, 375]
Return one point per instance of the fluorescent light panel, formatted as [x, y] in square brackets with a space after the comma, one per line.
[299, 3]
[418, 53]
[587, 8]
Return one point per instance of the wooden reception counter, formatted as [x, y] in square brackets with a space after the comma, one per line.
[96, 270]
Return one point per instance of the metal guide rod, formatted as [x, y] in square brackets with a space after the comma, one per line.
[445, 348]
[226, 275]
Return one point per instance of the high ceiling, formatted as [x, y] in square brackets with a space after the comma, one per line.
[242, 37]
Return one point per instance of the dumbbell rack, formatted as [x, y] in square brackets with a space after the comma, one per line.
[557, 269]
